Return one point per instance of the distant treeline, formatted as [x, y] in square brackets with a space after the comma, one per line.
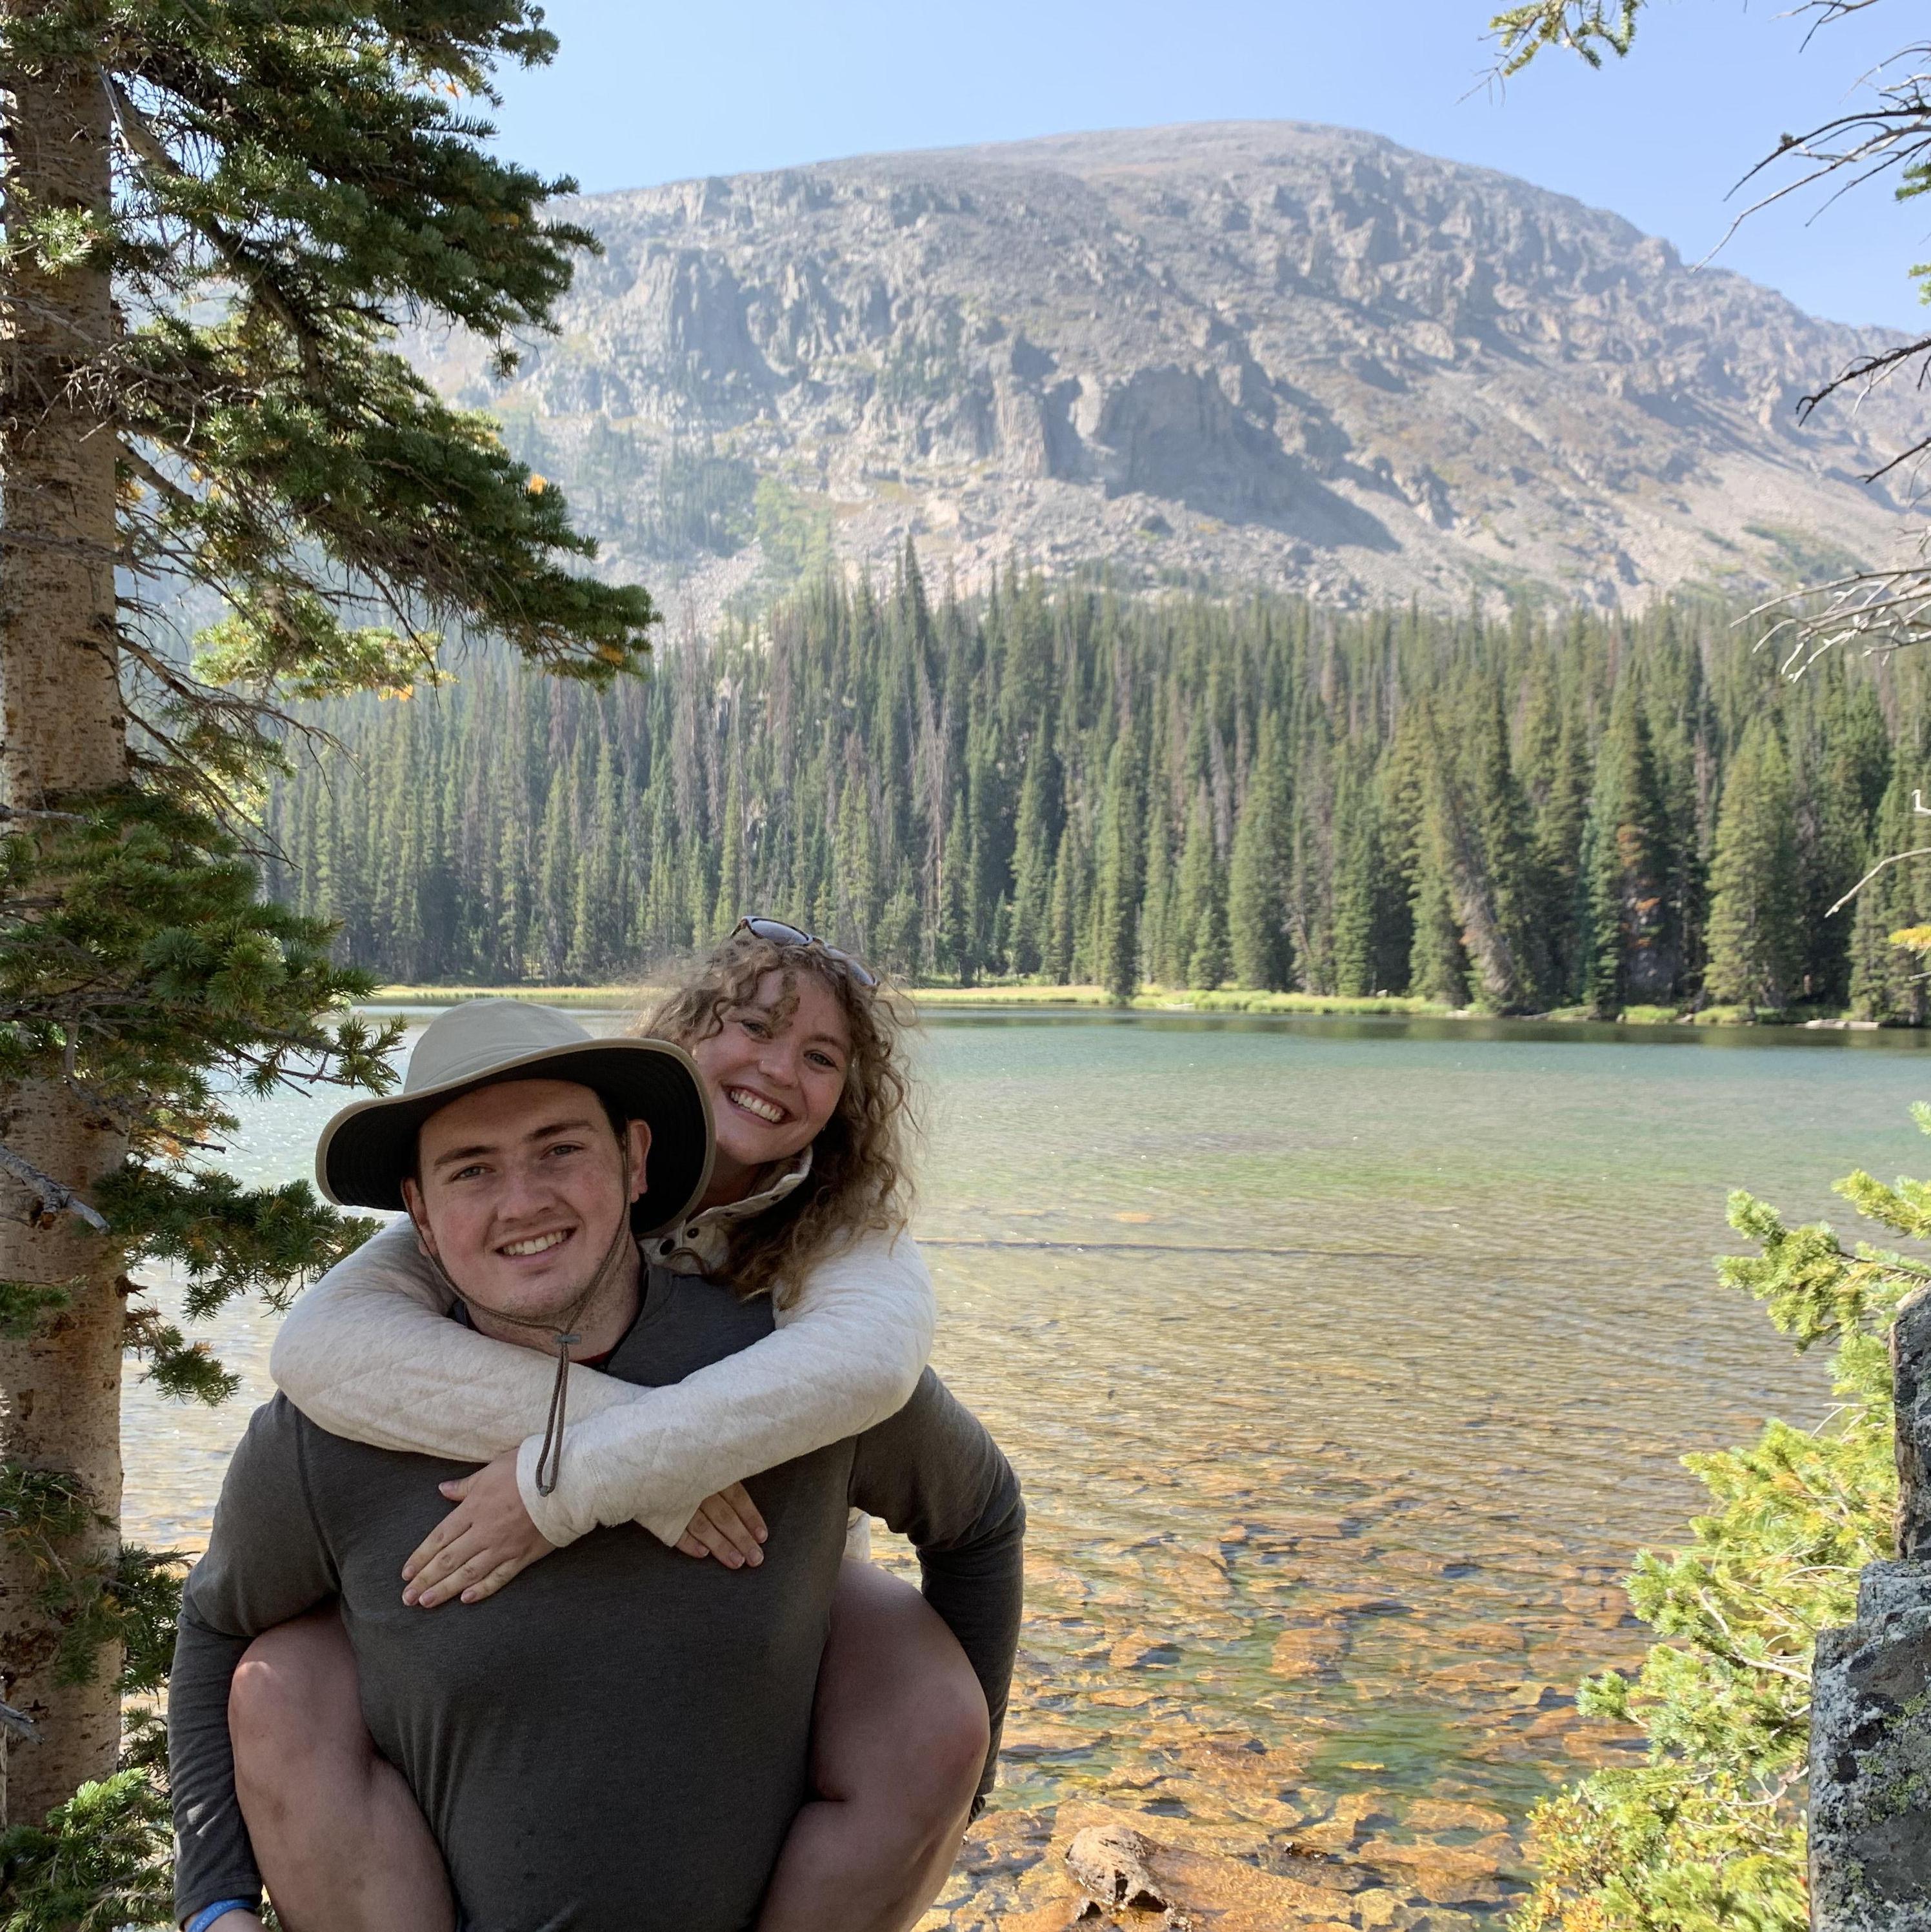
[1056, 780]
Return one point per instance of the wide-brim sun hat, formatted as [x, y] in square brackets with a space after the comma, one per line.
[369, 1146]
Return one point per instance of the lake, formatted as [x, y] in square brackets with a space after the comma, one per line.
[1346, 1364]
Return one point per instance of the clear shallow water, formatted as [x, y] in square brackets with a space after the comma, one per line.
[1345, 1363]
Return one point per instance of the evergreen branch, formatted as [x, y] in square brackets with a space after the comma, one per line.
[24, 1305]
[1582, 26]
[150, 152]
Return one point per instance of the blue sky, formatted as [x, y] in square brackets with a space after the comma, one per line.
[642, 94]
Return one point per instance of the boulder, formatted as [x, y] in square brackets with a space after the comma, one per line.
[1871, 1760]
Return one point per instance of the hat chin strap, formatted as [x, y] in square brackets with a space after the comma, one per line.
[549, 1457]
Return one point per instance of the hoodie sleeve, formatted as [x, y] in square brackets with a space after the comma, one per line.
[846, 1354]
[368, 1352]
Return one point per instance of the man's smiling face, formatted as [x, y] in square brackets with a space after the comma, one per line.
[519, 1192]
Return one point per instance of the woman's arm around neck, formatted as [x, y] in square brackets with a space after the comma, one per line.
[369, 1353]
[847, 1354]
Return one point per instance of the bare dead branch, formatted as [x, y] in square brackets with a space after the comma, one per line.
[18, 1724]
[55, 1197]
[1896, 859]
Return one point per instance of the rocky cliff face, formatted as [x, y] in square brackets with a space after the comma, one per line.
[1257, 352]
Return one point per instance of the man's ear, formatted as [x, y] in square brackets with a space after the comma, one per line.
[639, 1134]
[412, 1199]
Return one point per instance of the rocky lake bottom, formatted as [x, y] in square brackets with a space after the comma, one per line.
[1346, 1364]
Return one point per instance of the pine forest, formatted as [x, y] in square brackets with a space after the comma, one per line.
[1051, 781]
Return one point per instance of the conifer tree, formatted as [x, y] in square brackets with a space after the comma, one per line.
[1064, 913]
[1887, 981]
[1360, 891]
[956, 954]
[898, 946]
[1157, 915]
[1496, 890]
[1438, 965]
[733, 897]
[1559, 868]
[1034, 837]
[1211, 959]
[1083, 899]
[1258, 877]
[1312, 856]
[856, 867]
[1400, 804]
[1755, 942]
[1634, 945]
[557, 873]
[1118, 887]
[211, 219]
[1834, 782]
[1196, 919]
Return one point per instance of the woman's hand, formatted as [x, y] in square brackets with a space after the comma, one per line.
[728, 1527]
[481, 1544]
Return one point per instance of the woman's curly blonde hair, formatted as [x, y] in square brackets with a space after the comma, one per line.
[860, 1180]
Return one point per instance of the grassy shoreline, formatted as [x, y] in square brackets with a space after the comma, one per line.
[1097, 997]
[1153, 1000]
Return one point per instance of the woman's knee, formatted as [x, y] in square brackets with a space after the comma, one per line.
[902, 1716]
[295, 1696]
[957, 1733]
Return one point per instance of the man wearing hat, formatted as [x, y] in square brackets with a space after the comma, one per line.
[622, 1740]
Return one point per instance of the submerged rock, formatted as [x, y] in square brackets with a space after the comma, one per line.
[1443, 1874]
[1443, 1814]
[1350, 1821]
[1309, 1651]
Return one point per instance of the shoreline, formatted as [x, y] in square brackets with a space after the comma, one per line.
[1158, 1000]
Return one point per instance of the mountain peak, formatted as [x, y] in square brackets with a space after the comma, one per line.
[1248, 353]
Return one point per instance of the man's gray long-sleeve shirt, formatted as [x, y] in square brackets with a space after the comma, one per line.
[620, 1738]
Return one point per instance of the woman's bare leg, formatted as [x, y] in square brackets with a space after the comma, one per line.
[341, 1843]
[898, 1739]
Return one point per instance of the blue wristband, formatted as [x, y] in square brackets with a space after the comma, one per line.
[207, 1916]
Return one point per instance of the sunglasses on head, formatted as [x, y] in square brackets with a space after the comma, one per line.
[776, 932]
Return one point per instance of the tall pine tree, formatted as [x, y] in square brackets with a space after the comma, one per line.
[1755, 940]
[1258, 876]
[213, 216]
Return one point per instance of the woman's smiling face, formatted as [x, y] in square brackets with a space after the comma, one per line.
[776, 1069]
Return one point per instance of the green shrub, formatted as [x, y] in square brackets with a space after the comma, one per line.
[1708, 1832]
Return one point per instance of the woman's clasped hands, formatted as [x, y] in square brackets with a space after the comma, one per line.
[488, 1537]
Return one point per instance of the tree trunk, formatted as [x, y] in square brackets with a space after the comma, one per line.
[64, 731]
